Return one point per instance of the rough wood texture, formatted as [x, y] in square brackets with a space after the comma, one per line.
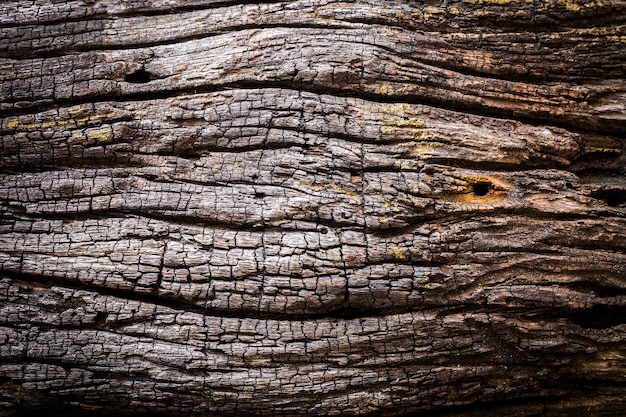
[313, 207]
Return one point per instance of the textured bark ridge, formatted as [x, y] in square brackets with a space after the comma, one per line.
[313, 207]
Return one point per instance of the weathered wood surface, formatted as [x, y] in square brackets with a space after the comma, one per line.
[313, 207]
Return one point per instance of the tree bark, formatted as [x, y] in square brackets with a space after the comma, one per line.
[313, 207]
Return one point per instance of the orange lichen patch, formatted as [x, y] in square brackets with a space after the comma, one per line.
[483, 190]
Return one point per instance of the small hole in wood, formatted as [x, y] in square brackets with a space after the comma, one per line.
[599, 317]
[569, 185]
[259, 194]
[141, 76]
[323, 230]
[101, 318]
[612, 198]
[481, 189]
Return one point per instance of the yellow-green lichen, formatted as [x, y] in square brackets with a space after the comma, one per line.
[397, 252]
[430, 11]
[364, 406]
[328, 6]
[335, 187]
[492, 2]
[385, 90]
[100, 135]
[401, 16]
[403, 118]
[391, 205]
[421, 149]
[22, 123]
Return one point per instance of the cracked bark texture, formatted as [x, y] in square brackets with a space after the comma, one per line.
[313, 207]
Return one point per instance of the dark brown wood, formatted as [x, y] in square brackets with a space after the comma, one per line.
[313, 208]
